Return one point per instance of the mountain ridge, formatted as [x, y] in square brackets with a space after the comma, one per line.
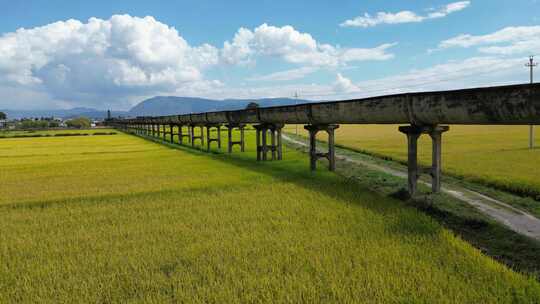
[157, 106]
[170, 105]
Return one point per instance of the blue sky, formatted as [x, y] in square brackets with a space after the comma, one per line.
[110, 56]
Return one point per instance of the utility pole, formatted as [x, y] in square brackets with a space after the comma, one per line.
[295, 103]
[531, 64]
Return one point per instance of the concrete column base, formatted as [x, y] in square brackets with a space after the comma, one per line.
[414, 132]
[171, 133]
[210, 139]
[182, 135]
[313, 154]
[230, 142]
[158, 126]
[275, 146]
[194, 137]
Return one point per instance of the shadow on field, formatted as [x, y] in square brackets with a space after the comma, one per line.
[116, 198]
[296, 170]
[516, 251]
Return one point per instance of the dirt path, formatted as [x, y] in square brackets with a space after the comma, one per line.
[515, 219]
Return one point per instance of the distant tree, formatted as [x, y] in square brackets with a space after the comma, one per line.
[79, 122]
[252, 105]
[3, 116]
[54, 124]
[33, 124]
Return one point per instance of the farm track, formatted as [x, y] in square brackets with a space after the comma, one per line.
[517, 220]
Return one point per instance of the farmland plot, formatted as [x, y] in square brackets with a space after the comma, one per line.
[118, 218]
[492, 155]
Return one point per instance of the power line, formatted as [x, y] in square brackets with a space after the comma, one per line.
[531, 64]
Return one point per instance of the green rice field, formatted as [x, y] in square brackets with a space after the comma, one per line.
[54, 132]
[100, 219]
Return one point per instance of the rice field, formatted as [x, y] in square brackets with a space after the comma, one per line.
[122, 219]
[54, 132]
[493, 155]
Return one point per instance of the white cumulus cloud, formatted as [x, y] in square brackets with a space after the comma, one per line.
[294, 47]
[75, 60]
[344, 85]
[118, 61]
[405, 16]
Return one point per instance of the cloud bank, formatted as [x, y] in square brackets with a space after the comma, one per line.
[74, 60]
[124, 58]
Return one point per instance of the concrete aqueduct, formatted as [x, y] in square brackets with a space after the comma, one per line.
[420, 113]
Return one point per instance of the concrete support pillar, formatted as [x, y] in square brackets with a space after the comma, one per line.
[191, 135]
[194, 137]
[257, 140]
[180, 137]
[230, 141]
[279, 145]
[262, 132]
[414, 132]
[201, 128]
[312, 149]
[436, 159]
[313, 154]
[242, 139]
[273, 141]
[412, 162]
[264, 146]
[210, 139]
[164, 132]
[181, 134]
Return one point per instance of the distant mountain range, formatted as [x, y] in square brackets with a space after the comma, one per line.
[69, 113]
[159, 105]
[169, 105]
